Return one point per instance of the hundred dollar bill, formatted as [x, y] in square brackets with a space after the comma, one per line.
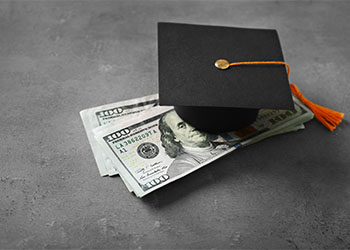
[105, 114]
[281, 131]
[101, 116]
[157, 147]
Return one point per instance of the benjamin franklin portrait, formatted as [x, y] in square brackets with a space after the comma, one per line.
[187, 145]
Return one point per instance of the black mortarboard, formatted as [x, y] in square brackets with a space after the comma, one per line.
[212, 99]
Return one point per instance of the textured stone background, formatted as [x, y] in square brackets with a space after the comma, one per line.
[57, 58]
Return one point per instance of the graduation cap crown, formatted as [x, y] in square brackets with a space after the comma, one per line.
[211, 99]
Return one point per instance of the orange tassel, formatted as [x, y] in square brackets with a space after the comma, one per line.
[326, 116]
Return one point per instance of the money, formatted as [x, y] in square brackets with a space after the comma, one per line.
[156, 147]
[102, 115]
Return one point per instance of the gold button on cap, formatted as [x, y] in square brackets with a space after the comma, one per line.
[222, 64]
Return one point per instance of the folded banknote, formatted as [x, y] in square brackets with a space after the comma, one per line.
[156, 147]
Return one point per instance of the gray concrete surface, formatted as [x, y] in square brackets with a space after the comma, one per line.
[57, 58]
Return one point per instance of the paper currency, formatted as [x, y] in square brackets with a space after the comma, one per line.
[105, 114]
[157, 147]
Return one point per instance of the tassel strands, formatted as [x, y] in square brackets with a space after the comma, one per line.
[328, 117]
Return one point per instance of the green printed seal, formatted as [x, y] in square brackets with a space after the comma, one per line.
[148, 150]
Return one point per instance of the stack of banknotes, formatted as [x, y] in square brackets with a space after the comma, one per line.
[149, 146]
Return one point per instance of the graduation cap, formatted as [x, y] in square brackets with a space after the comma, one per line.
[205, 91]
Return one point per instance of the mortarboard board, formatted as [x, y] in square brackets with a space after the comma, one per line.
[215, 100]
